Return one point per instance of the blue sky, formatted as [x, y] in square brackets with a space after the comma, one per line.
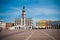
[35, 9]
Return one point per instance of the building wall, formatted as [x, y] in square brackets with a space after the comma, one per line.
[54, 23]
[49, 23]
[37, 23]
[2, 24]
[24, 21]
[17, 22]
[9, 25]
[59, 23]
[43, 23]
[29, 22]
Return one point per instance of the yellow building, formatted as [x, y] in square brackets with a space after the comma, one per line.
[41, 24]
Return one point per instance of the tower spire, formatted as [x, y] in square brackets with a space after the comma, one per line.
[23, 9]
[23, 15]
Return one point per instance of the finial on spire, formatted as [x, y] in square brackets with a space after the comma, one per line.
[23, 9]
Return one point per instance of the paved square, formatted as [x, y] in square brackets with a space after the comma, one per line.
[39, 34]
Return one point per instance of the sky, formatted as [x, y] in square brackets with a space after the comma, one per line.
[35, 9]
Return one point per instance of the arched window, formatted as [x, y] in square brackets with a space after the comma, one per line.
[15, 27]
[19, 27]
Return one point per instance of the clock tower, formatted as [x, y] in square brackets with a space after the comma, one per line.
[23, 16]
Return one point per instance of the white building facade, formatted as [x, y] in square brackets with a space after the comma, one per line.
[25, 22]
[2, 24]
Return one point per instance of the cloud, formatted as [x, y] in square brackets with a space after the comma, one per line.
[10, 15]
[13, 11]
[37, 11]
[45, 18]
